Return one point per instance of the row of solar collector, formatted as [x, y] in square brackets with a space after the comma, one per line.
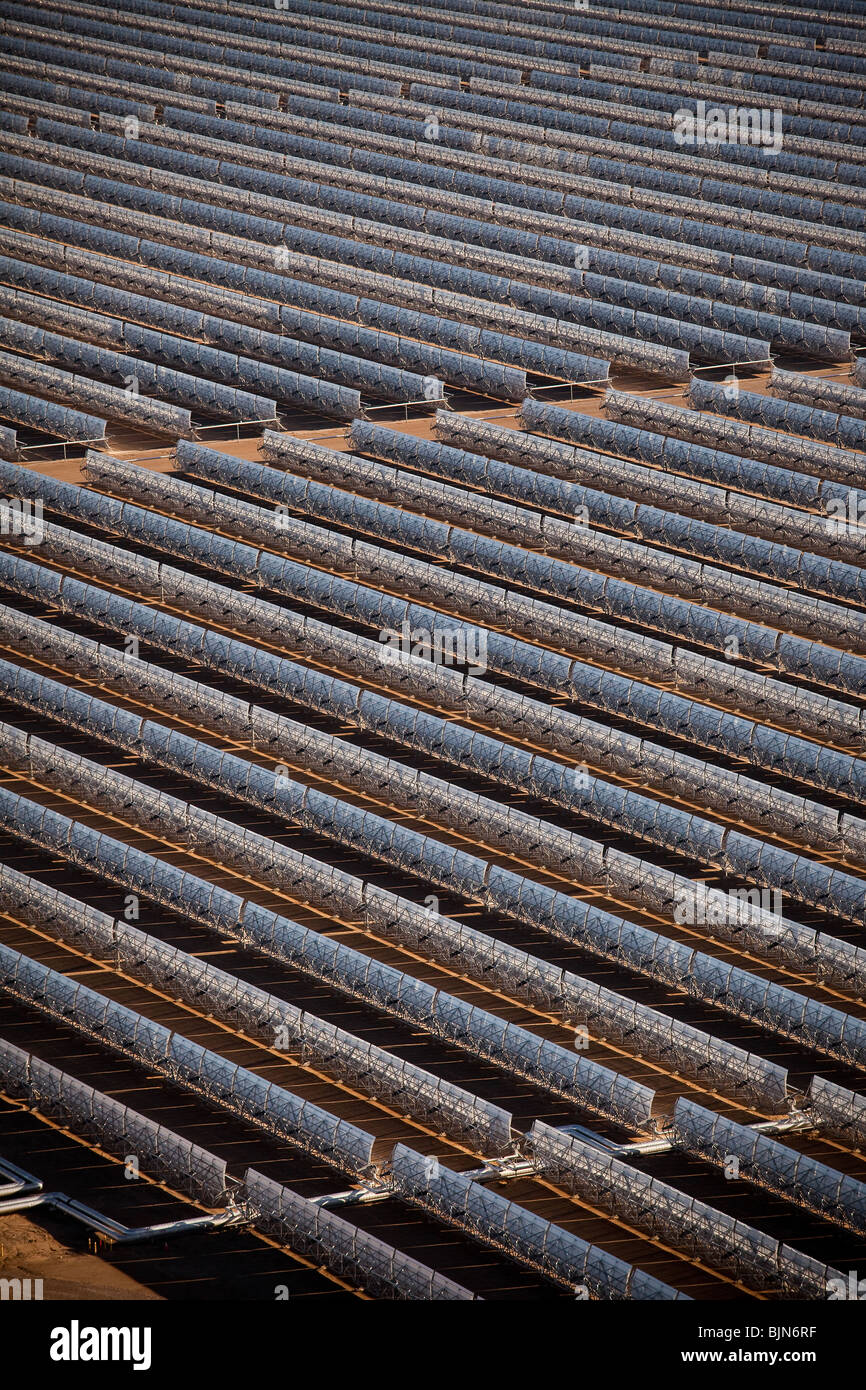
[407, 126]
[568, 364]
[566, 733]
[748, 15]
[389, 1078]
[505, 828]
[46, 417]
[829, 300]
[95, 92]
[773, 85]
[308, 1228]
[587, 1084]
[310, 311]
[643, 144]
[643, 884]
[263, 1104]
[509, 1047]
[365, 73]
[550, 17]
[486, 313]
[207, 79]
[561, 16]
[807, 159]
[403, 29]
[579, 1166]
[538, 165]
[447, 55]
[649, 98]
[563, 627]
[612, 318]
[821, 393]
[402, 511]
[590, 325]
[762, 1159]
[361, 194]
[803, 152]
[156, 807]
[733, 1245]
[269, 1107]
[631, 218]
[500, 30]
[68, 388]
[543, 38]
[810, 1184]
[779, 751]
[777, 305]
[689, 517]
[647, 886]
[686, 579]
[299, 61]
[424, 858]
[804, 1021]
[822, 180]
[60, 84]
[163, 1154]
[773, 76]
[845, 431]
[547, 533]
[421, 179]
[409, 1088]
[615, 148]
[561, 1256]
[780, 239]
[556, 579]
[181, 388]
[770, 446]
[603, 1180]
[147, 87]
[547, 87]
[809, 124]
[139, 314]
[524, 976]
[310, 295]
[608, 692]
[429, 162]
[274, 321]
[700, 461]
[728, 1244]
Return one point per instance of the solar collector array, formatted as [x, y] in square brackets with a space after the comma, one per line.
[286, 208]
[726, 986]
[473, 1029]
[760, 537]
[283, 380]
[399, 1083]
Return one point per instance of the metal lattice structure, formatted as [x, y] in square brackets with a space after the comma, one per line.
[223, 1083]
[350, 1252]
[605, 1181]
[491, 1219]
[764, 1161]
